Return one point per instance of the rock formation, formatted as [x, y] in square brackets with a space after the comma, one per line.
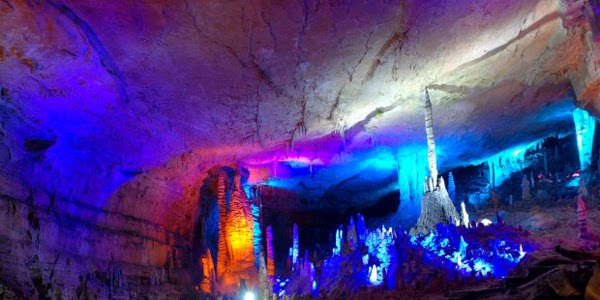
[351, 237]
[239, 236]
[451, 187]
[464, 220]
[436, 205]
[222, 253]
[582, 218]
[431, 155]
[235, 258]
[112, 111]
[270, 253]
[295, 246]
[208, 273]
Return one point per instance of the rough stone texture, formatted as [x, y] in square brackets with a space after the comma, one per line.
[436, 208]
[113, 111]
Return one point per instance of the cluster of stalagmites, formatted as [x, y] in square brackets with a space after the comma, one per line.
[237, 267]
[235, 255]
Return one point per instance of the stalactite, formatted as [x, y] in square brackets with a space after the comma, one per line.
[222, 254]
[270, 253]
[431, 155]
[451, 187]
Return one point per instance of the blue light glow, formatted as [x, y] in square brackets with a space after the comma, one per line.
[585, 126]
[507, 162]
[478, 252]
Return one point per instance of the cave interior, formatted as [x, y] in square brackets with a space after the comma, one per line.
[258, 149]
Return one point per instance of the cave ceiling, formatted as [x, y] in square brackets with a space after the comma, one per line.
[107, 92]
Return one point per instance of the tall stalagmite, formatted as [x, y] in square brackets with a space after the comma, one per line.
[222, 254]
[240, 233]
[431, 156]
[436, 205]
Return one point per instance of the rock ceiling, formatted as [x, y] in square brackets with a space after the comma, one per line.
[153, 93]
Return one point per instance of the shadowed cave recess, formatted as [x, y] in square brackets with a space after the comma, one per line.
[306, 149]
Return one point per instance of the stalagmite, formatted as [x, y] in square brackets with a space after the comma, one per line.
[532, 179]
[526, 190]
[432, 184]
[270, 253]
[265, 286]
[208, 273]
[431, 156]
[351, 238]
[222, 254]
[441, 183]
[582, 218]
[465, 216]
[240, 224]
[451, 187]
[339, 234]
[295, 246]
[436, 205]
[582, 188]
[236, 259]
[361, 229]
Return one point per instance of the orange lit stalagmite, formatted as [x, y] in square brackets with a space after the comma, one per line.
[222, 247]
[235, 260]
[240, 226]
[208, 272]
